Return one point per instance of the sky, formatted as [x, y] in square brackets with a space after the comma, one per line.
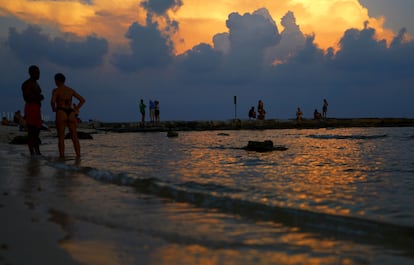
[194, 56]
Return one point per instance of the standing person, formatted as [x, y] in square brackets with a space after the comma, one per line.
[66, 115]
[142, 107]
[324, 108]
[33, 97]
[152, 111]
[252, 113]
[299, 115]
[157, 111]
[260, 110]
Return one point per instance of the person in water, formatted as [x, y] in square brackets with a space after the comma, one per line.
[66, 115]
[33, 97]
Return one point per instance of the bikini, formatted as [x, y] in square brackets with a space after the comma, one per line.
[68, 111]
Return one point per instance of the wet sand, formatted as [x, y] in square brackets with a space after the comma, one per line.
[27, 235]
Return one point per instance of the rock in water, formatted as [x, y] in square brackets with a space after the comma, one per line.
[265, 146]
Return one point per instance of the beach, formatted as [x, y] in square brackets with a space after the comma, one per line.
[27, 234]
[142, 198]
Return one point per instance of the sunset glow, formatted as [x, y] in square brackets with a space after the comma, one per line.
[181, 47]
[110, 19]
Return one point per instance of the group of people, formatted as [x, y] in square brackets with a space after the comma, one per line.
[316, 114]
[154, 110]
[260, 109]
[299, 113]
[61, 103]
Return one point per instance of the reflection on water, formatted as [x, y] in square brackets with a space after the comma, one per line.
[339, 171]
[332, 198]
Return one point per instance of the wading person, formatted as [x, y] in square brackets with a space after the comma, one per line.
[33, 97]
[66, 115]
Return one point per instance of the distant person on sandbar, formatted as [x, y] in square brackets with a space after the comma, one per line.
[157, 111]
[324, 108]
[299, 115]
[260, 110]
[19, 120]
[142, 107]
[316, 115]
[5, 121]
[66, 115]
[152, 111]
[33, 97]
[252, 113]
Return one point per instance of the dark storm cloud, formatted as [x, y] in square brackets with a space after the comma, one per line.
[150, 46]
[360, 52]
[252, 32]
[33, 45]
[160, 7]
[245, 44]
[201, 58]
[149, 49]
[292, 40]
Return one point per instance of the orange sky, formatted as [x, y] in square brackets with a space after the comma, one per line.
[199, 20]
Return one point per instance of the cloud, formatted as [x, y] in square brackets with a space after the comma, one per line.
[33, 45]
[160, 7]
[292, 40]
[149, 49]
[202, 58]
[248, 37]
[365, 76]
[151, 45]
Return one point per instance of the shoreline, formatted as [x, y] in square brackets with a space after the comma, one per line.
[237, 124]
[9, 132]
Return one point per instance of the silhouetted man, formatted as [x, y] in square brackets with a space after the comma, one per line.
[33, 97]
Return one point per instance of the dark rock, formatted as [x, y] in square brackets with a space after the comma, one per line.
[81, 136]
[20, 139]
[265, 146]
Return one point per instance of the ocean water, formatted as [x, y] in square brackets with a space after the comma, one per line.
[336, 196]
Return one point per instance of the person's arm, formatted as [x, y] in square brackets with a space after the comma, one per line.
[81, 100]
[53, 100]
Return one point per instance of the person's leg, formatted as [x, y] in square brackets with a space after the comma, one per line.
[36, 142]
[60, 129]
[31, 138]
[74, 135]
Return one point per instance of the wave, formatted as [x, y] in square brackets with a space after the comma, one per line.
[228, 200]
[346, 137]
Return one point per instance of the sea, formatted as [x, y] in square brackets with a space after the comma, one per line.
[335, 196]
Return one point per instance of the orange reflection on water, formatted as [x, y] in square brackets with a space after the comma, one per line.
[206, 160]
[330, 171]
[94, 252]
[195, 254]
